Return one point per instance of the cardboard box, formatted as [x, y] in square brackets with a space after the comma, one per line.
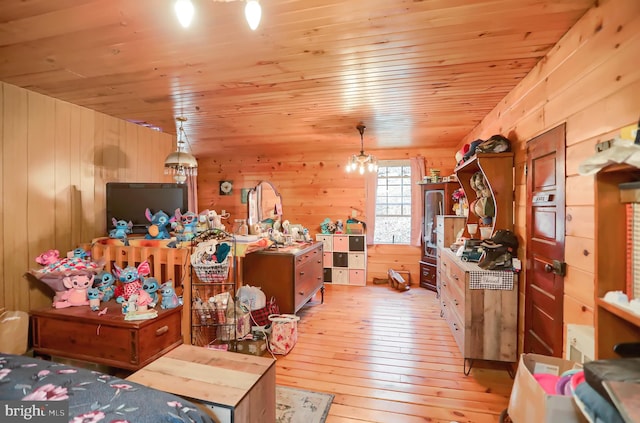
[529, 403]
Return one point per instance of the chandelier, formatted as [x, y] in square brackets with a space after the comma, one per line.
[184, 11]
[362, 161]
[181, 163]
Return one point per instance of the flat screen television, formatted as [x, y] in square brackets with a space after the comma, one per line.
[128, 201]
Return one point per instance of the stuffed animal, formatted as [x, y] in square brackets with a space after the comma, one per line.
[169, 297]
[93, 294]
[188, 222]
[151, 287]
[48, 257]
[76, 295]
[105, 284]
[159, 222]
[121, 229]
[130, 278]
[203, 222]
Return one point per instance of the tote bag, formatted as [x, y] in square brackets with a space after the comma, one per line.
[284, 333]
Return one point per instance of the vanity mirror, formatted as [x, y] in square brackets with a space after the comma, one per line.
[264, 202]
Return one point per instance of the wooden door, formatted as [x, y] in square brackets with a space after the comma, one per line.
[544, 289]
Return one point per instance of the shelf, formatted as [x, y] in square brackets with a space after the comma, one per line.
[618, 311]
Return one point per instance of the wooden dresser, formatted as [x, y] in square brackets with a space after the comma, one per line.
[81, 334]
[481, 313]
[290, 274]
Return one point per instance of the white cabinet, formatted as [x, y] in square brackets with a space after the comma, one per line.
[344, 259]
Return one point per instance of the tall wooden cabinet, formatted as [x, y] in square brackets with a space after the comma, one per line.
[613, 324]
[436, 201]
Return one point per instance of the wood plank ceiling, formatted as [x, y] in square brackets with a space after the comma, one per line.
[417, 73]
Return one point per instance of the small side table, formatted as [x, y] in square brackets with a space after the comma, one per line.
[81, 334]
[231, 387]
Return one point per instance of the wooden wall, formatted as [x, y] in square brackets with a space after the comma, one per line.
[591, 81]
[56, 159]
[313, 185]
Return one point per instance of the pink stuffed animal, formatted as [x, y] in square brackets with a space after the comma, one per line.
[48, 257]
[76, 295]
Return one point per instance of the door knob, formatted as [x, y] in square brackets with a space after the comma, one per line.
[548, 268]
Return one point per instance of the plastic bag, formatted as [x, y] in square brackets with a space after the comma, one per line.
[252, 296]
[14, 329]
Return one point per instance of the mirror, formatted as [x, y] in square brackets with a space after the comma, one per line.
[264, 202]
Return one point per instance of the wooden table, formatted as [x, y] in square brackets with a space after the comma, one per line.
[81, 334]
[231, 387]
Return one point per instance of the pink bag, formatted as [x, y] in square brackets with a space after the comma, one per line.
[284, 333]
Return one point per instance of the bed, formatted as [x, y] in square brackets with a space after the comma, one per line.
[92, 396]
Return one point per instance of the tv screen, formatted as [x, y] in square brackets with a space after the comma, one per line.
[128, 201]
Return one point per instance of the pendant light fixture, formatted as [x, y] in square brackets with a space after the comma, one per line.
[253, 13]
[181, 163]
[362, 161]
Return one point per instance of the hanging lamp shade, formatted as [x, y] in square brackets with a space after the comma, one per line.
[253, 13]
[181, 163]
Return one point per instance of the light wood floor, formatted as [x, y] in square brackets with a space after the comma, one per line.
[388, 356]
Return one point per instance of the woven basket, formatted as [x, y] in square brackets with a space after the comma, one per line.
[212, 272]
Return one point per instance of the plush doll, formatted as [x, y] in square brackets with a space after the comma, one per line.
[151, 287]
[105, 284]
[159, 222]
[188, 223]
[48, 257]
[143, 300]
[93, 294]
[121, 229]
[130, 278]
[203, 222]
[169, 297]
[76, 295]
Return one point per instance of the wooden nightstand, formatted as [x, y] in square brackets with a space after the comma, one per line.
[79, 333]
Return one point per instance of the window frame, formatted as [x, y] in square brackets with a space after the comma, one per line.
[406, 194]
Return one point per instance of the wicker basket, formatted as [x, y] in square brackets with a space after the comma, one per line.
[212, 272]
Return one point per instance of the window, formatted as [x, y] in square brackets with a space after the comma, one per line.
[393, 203]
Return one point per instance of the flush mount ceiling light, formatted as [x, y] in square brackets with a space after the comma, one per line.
[181, 163]
[362, 161]
[185, 10]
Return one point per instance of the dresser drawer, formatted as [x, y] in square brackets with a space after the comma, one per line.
[340, 259]
[341, 243]
[452, 272]
[311, 255]
[453, 320]
[327, 259]
[356, 243]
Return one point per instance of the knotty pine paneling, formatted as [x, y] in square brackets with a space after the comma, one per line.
[56, 158]
[588, 81]
[313, 186]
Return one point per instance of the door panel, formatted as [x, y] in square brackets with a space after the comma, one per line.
[544, 288]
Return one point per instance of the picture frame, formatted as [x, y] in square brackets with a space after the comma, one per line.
[244, 195]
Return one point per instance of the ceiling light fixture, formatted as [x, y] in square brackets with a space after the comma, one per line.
[181, 163]
[253, 13]
[362, 161]
[184, 11]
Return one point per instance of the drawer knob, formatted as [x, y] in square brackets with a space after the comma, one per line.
[301, 273]
[455, 302]
[300, 292]
[162, 330]
[455, 277]
[455, 326]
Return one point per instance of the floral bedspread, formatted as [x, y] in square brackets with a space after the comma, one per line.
[92, 396]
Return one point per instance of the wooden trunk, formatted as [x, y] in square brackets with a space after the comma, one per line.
[79, 333]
